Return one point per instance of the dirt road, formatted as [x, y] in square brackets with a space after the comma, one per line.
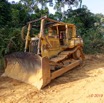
[84, 84]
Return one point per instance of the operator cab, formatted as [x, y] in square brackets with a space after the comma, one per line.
[62, 32]
[58, 31]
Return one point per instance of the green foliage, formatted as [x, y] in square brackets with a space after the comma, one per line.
[60, 4]
[10, 40]
[92, 35]
[93, 41]
[39, 13]
[81, 17]
[14, 16]
[19, 15]
[5, 15]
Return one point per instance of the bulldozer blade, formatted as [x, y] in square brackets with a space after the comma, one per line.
[29, 68]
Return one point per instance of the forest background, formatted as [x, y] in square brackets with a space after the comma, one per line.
[14, 15]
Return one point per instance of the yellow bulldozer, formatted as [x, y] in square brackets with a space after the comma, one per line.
[51, 50]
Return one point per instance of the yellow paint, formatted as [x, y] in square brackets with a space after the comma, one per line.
[50, 43]
[48, 51]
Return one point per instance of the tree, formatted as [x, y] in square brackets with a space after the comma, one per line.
[38, 13]
[19, 15]
[5, 12]
[81, 17]
[57, 4]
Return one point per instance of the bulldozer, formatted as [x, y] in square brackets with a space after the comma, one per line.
[51, 48]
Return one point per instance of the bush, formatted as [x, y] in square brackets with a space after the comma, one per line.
[10, 40]
[93, 41]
